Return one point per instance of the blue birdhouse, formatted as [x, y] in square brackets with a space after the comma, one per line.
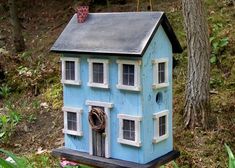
[117, 89]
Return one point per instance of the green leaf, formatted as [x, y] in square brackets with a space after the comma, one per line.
[175, 165]
[6, 164]
[19, 162]
[231, 156]
[211, 39]
[215, 45]
[223, 42]
[230, 153]
[3, 119]
[213, 60]
[2, 134]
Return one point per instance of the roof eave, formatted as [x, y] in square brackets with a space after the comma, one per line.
[176, 47]
[96, 53]
[171, 35]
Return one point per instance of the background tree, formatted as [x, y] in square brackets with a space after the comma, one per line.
[17, 33]
[197, 102]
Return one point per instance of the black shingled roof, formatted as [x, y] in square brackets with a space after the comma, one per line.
[125, 33]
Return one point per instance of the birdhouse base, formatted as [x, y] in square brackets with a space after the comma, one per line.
[85, 158]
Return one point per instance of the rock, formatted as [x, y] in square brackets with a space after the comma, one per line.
[3, 51]
[26, 129]
[44, 105]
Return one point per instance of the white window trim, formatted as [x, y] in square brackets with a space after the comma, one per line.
[137, 120]
[77, 80]
[78, 111]
[156, 116]
[107, 106]
[105, 83]
[137, 64]
[155, 63]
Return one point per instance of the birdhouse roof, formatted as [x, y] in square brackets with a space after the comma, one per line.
[125, 33]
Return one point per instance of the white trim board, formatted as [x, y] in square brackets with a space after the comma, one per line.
[105, 63]
[155, 63]
[137, 120]
[99, 103]
[136, 64]
[78, 112]
[156, 116]
[77, 80]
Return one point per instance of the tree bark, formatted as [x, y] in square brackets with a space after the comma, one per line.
[17, 34]
[138, 5]
[197, 93]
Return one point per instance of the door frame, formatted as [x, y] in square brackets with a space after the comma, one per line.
[107, 106]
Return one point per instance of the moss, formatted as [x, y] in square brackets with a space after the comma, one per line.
[53, 96]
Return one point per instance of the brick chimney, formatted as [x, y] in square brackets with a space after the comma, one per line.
[82, 13]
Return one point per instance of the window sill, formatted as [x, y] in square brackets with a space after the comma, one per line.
[161, 85]
[71, 132]
[126, 87]
[71, 82]
[129, 142]
[159, 139]
[98, 85]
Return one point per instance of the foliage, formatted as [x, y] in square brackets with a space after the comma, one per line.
[53, 95]
[32, 118]
[173, 164]
[20, 162]
[42, 160]
[218, 44]
[4, 91]
[8, 122]
[231, 157]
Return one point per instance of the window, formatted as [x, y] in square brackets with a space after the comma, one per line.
[160, 73]
[129, 130]
[160, 126]
[70, 71]
[72, 121]
[129, 74]
[98, 73]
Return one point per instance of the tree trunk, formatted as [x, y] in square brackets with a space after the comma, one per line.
[138, 5]
[17, 34]
[197, 95]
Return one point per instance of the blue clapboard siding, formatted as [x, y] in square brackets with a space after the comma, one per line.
[160, 47]
[126, 102]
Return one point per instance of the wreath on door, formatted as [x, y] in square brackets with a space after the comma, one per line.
[97, 119]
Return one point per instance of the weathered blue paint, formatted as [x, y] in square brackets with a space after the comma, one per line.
[160, 47]
[140, 103]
